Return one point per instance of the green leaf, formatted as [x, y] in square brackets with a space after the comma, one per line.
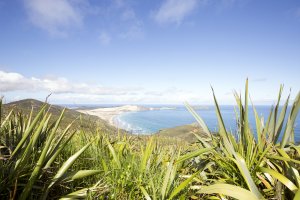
[6, 119]
[35, 173]
[79, 194]
[193, 154]
[41, 160]
[182, 186]
[145, 193]
[67, 164]
[229, 190]
[58, 148]
[281, 120]
[166, 179]
[81, 174]
[202, 140]
[198, 119]
[240, 162]
[284, 180]
[291, 120]
[113, 152]
[272, 126]
[28, 131]
[146, 155]
[258, 128]
[297, 195]
[28, 150]
[246, 115]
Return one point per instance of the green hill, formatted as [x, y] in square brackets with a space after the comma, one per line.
[184, 132]
[91, 123]
[83, 121]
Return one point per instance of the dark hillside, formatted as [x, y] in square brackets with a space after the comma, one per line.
[86, 122]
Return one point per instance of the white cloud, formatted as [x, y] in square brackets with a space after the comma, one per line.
[54, 16]
[16, 82]
[174, 11]
[17, 86]
[13, 81]
[105, 38]
[10, 77]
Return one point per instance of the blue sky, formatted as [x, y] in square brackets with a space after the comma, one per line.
[148, 51]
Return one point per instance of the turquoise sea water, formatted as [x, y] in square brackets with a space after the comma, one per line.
[147, 122]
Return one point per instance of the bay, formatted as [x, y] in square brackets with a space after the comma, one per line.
[151, 121]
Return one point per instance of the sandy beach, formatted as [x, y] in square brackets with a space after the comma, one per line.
[109, 113]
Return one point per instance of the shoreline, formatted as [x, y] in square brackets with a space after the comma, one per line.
[110, 113]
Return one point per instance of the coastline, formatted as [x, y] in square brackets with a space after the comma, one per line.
[110, 113]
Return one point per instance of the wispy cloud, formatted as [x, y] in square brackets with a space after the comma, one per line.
[120, 21]
[104, 38]
[128, 14]
[174, 11]
[133, 32]
[297, 13]
[54, 16]
[133, 26]
[119, 3]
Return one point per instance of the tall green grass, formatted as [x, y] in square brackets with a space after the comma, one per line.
[245, 166]
[29, 147]
[40, 159]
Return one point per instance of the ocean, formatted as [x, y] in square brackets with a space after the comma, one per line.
[151, 121]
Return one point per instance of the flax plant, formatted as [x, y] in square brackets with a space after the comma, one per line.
[252, 163]
[29, 148]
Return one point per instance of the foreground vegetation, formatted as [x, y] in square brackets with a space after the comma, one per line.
[41, 160]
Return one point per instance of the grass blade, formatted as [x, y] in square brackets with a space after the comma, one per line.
[29, 130]
[81, 174]
[113, 152]
[198, 119]
[193, 154]
[63, 169]
[182, 186]
[229, 190]
[297, 195]
[146, 155]
[240, 161]
[289, 184]
[280, 121]
[145, 193]
[166, 179]
[291, 121]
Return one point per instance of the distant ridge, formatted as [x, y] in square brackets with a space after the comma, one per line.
[25, 102]
[28, 104]
[84, 121]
